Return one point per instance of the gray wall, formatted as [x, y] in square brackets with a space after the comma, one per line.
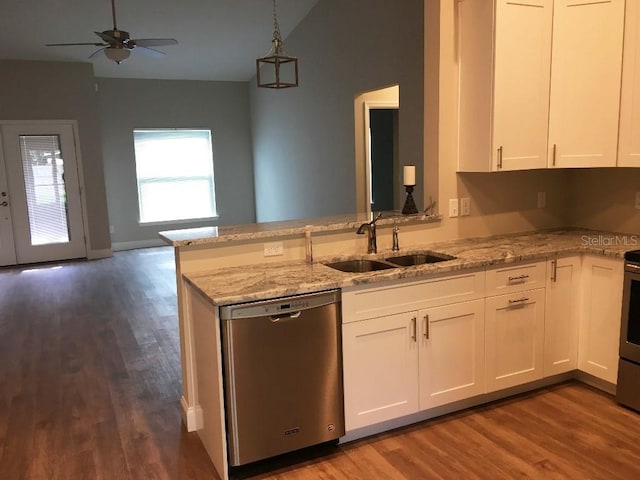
[62, 91]
[222, 107]
[303, 138]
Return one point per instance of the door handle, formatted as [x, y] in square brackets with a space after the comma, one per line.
[426, 326]
[4, 204]
[414, 329]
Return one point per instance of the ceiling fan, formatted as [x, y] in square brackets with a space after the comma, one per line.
[117, 45]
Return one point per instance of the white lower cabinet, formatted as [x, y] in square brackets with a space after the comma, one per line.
[514, 336]
[601, 313]
[562, 316]
[410, 346]
[399, 364]
[451, 353]
[380, 358]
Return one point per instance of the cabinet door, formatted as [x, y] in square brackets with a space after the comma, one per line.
[585, 82]
[561, 316]
[514, 339]
[380, 358]
[629, 154]
[451, 353]
[521, 83]
[600, 323]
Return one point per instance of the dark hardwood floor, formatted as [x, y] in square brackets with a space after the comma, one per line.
[90, 388]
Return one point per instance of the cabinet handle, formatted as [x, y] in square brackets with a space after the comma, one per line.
[554, 270]
[554, 155]
[414, 329]
[519, 278]
[500, 157]
[426, 327]
[519, 301]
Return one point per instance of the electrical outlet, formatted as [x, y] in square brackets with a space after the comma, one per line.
[273, 249]
[542, 199]
[112, 229]
[465, 206]
[638, 200]
[453, 207]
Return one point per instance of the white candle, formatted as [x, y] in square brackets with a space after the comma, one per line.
[409, 175]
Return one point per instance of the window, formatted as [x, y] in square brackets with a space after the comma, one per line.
[174, 169]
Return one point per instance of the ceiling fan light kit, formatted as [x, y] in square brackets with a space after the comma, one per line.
[117, 44]
[277, 69]
[117, 54]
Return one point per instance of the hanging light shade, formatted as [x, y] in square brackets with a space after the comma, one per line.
[277, 69]
[117, 53]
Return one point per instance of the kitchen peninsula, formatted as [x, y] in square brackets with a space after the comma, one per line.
[575, 275]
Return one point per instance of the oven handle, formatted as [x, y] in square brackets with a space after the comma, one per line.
[632, 267]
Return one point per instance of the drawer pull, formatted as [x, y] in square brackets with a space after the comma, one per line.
[519, 278]
[519, 301]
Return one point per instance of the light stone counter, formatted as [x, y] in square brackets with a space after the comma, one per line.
[256, 282]
[258, 231]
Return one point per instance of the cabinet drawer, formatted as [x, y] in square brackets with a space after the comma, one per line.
[363, 302]
[515, 278]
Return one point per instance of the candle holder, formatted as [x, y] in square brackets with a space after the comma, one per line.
[409, 205]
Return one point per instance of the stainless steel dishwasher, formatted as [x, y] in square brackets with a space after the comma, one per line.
[283, 375]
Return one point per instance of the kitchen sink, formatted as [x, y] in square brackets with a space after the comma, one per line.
[419, 259]
[360, 266]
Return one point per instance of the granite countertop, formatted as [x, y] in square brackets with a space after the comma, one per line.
[256, 282]
[255, 231]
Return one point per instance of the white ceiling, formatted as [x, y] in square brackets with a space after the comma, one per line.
[217, 39]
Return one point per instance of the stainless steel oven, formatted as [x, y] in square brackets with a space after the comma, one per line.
[628, 389]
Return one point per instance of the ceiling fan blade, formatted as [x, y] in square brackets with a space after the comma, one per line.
[153, 42]
[150, 52]
[67, 44]
[96, 53]
[107, 38]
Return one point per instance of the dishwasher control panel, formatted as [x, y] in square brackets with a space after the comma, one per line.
[279, 306]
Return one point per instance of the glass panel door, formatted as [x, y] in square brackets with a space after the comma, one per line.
[42, 172]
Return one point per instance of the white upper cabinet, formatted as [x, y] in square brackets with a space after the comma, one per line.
[585, 82]
[505, 62]
[629, 147]
[539, 83]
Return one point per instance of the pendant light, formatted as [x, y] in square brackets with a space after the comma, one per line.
[277, 69]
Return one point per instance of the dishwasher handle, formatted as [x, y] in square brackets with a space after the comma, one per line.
[283, 317]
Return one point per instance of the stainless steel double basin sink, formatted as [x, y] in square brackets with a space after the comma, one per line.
[363, 265]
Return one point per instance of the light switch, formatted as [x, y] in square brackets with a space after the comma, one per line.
[453, 207]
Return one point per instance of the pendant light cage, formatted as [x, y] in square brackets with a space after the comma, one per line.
[277, 69]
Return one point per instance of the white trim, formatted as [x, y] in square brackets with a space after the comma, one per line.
[119, 246]
[98, 254]
[369, 105]
[191, 416]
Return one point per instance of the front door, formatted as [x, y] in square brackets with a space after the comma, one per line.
[39, 177]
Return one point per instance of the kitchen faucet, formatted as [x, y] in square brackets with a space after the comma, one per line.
[370, 228]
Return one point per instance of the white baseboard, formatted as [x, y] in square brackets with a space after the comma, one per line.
[98, 254]
[191, 416]
[119, 246]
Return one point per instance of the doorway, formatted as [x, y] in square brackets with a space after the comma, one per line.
[376, 141]
[40, 204]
